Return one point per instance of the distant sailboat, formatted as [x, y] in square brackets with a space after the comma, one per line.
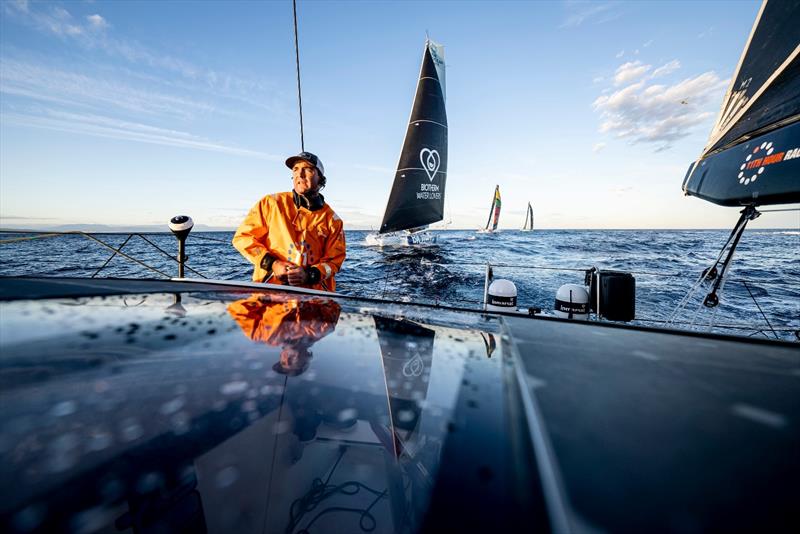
[494, 213]
[528, 226]
[417, 196]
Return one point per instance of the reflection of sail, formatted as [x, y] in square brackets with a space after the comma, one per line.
[489, 341]
[407, 351]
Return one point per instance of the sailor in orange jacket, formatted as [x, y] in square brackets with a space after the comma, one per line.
[294, 238]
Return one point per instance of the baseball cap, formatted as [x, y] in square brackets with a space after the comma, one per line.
[310, 158]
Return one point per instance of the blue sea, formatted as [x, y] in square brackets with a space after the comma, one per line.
[763, 288]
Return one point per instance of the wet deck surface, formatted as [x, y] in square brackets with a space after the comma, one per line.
[223, 411]
[647, 428]
[226, 412]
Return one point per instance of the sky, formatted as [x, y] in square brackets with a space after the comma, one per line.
[128, 113]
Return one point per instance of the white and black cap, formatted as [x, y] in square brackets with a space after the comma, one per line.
[310, 158]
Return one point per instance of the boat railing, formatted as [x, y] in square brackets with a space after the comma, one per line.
[449, 300]
[31, 235]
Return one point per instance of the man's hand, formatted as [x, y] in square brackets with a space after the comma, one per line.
[281, 269]
[296, 276]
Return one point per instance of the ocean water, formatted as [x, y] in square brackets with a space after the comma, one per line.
[666, 263]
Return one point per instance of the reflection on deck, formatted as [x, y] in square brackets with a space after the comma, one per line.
[138, 419]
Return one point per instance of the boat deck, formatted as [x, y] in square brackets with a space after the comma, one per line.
[211, 406]
[689, 432]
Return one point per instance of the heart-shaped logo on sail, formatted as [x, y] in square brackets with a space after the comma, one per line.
[430, 160]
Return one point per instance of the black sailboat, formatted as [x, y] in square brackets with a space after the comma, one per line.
[528, 226]
[752, 157]
[417, 196]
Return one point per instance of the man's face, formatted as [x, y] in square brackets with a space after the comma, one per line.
[305, 177]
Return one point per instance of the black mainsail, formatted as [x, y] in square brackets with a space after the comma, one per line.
[528, 219]
[417, 197]
[753, 154]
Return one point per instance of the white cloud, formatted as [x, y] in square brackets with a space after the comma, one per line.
[630, 71]
[658, 113]
[620, 53]
[667, 68]
[97, 22]
[598, 147]
[648, 43]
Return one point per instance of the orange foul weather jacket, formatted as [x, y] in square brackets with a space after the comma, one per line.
[278, 227]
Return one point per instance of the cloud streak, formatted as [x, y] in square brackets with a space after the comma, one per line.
[579, 13]
[111, 128]
[41, 83]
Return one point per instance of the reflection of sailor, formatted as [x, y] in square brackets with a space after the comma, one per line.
[293, 324]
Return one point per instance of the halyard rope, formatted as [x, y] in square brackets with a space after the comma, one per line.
[297, 63]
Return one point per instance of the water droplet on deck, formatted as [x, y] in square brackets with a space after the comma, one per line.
[405, 416]
[226, 477]
[64, 408]
[98, 440]
[180, 423]
[172, 406]
[281, 427]
[348, 414]
[131, 429]
[234, 388]
[149, 482]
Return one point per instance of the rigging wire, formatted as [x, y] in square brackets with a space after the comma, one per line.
[787, 209]
[112, 256]
[43, 235]
[685, 300]
[195, 236]
[759, 309]
[297, 63]
[143, 264]
[167, 254]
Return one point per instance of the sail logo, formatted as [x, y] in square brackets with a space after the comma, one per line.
[753, 166]
[413, 367]
[430, 160]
